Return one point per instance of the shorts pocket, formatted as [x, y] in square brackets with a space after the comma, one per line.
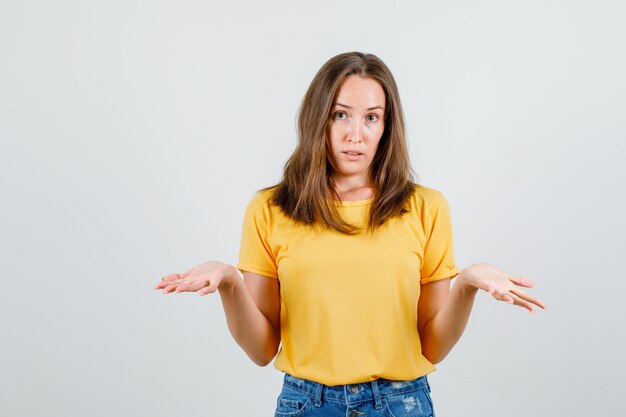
[292, 402]
[409, 404]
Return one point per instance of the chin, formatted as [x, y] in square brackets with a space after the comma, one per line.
[353, 171]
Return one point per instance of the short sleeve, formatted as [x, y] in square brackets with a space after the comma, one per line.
[255, 253]
[438, 262]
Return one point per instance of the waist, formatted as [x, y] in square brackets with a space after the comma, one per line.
[357, 392]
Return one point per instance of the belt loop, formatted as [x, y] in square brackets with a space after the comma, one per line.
[377, 402]
[318, 394]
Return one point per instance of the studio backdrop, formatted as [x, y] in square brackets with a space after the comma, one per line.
[133, 134]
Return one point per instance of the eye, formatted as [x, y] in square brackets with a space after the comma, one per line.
[375, 117]
[338, 113]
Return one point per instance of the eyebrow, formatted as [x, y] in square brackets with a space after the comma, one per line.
[348, 107]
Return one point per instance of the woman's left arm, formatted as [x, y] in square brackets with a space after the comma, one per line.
[443, 313]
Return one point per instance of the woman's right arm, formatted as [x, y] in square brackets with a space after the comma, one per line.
[251, 305]
[252, 308]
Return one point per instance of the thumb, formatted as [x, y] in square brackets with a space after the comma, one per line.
[211, 288]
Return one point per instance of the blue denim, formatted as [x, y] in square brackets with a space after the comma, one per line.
[378, 398]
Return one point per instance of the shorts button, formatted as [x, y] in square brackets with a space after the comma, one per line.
[354, 413]
[354, 389]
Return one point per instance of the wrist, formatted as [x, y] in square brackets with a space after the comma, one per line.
[465, 285]
[231, 279]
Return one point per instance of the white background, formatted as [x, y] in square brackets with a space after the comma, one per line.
[133, 134]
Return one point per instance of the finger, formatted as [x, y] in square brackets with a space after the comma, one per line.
[170, 288]
[167, 279]
[164, 284]
[175, 277]
[189, 286]
[520, 302]
[527, 297]
[161, 284]
[210, 288]
[510, 298]
[507, 298]
[181, 287]
[523, 281]
[171, 277]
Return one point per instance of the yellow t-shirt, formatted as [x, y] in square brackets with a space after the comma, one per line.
[349, 303]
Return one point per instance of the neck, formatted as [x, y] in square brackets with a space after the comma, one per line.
[351, 184]
[353, 188]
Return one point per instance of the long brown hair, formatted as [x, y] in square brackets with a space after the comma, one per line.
[305, 192]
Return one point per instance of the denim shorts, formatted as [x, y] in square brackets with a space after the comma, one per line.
[379, 398]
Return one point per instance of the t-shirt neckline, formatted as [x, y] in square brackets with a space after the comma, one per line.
[353, 203]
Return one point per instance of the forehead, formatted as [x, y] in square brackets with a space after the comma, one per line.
[357, 91]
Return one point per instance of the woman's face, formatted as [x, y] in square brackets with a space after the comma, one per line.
[355, 126]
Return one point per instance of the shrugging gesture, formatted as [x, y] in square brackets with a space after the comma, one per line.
[501, 285]
[204, 278]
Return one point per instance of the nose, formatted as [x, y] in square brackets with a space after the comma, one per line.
[354, 133]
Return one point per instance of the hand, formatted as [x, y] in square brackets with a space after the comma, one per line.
[500, 285]
[205, 278]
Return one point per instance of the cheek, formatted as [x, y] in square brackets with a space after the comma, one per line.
[334, 141]
[375, 148]
[374, 133]
[380, 129]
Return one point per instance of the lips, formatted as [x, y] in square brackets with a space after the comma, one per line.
[352, 155]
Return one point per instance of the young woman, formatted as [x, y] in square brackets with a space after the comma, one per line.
[347, 260]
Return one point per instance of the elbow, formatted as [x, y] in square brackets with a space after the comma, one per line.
[436, 360]
[263, 361]
[434, 356]
[263, 353]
